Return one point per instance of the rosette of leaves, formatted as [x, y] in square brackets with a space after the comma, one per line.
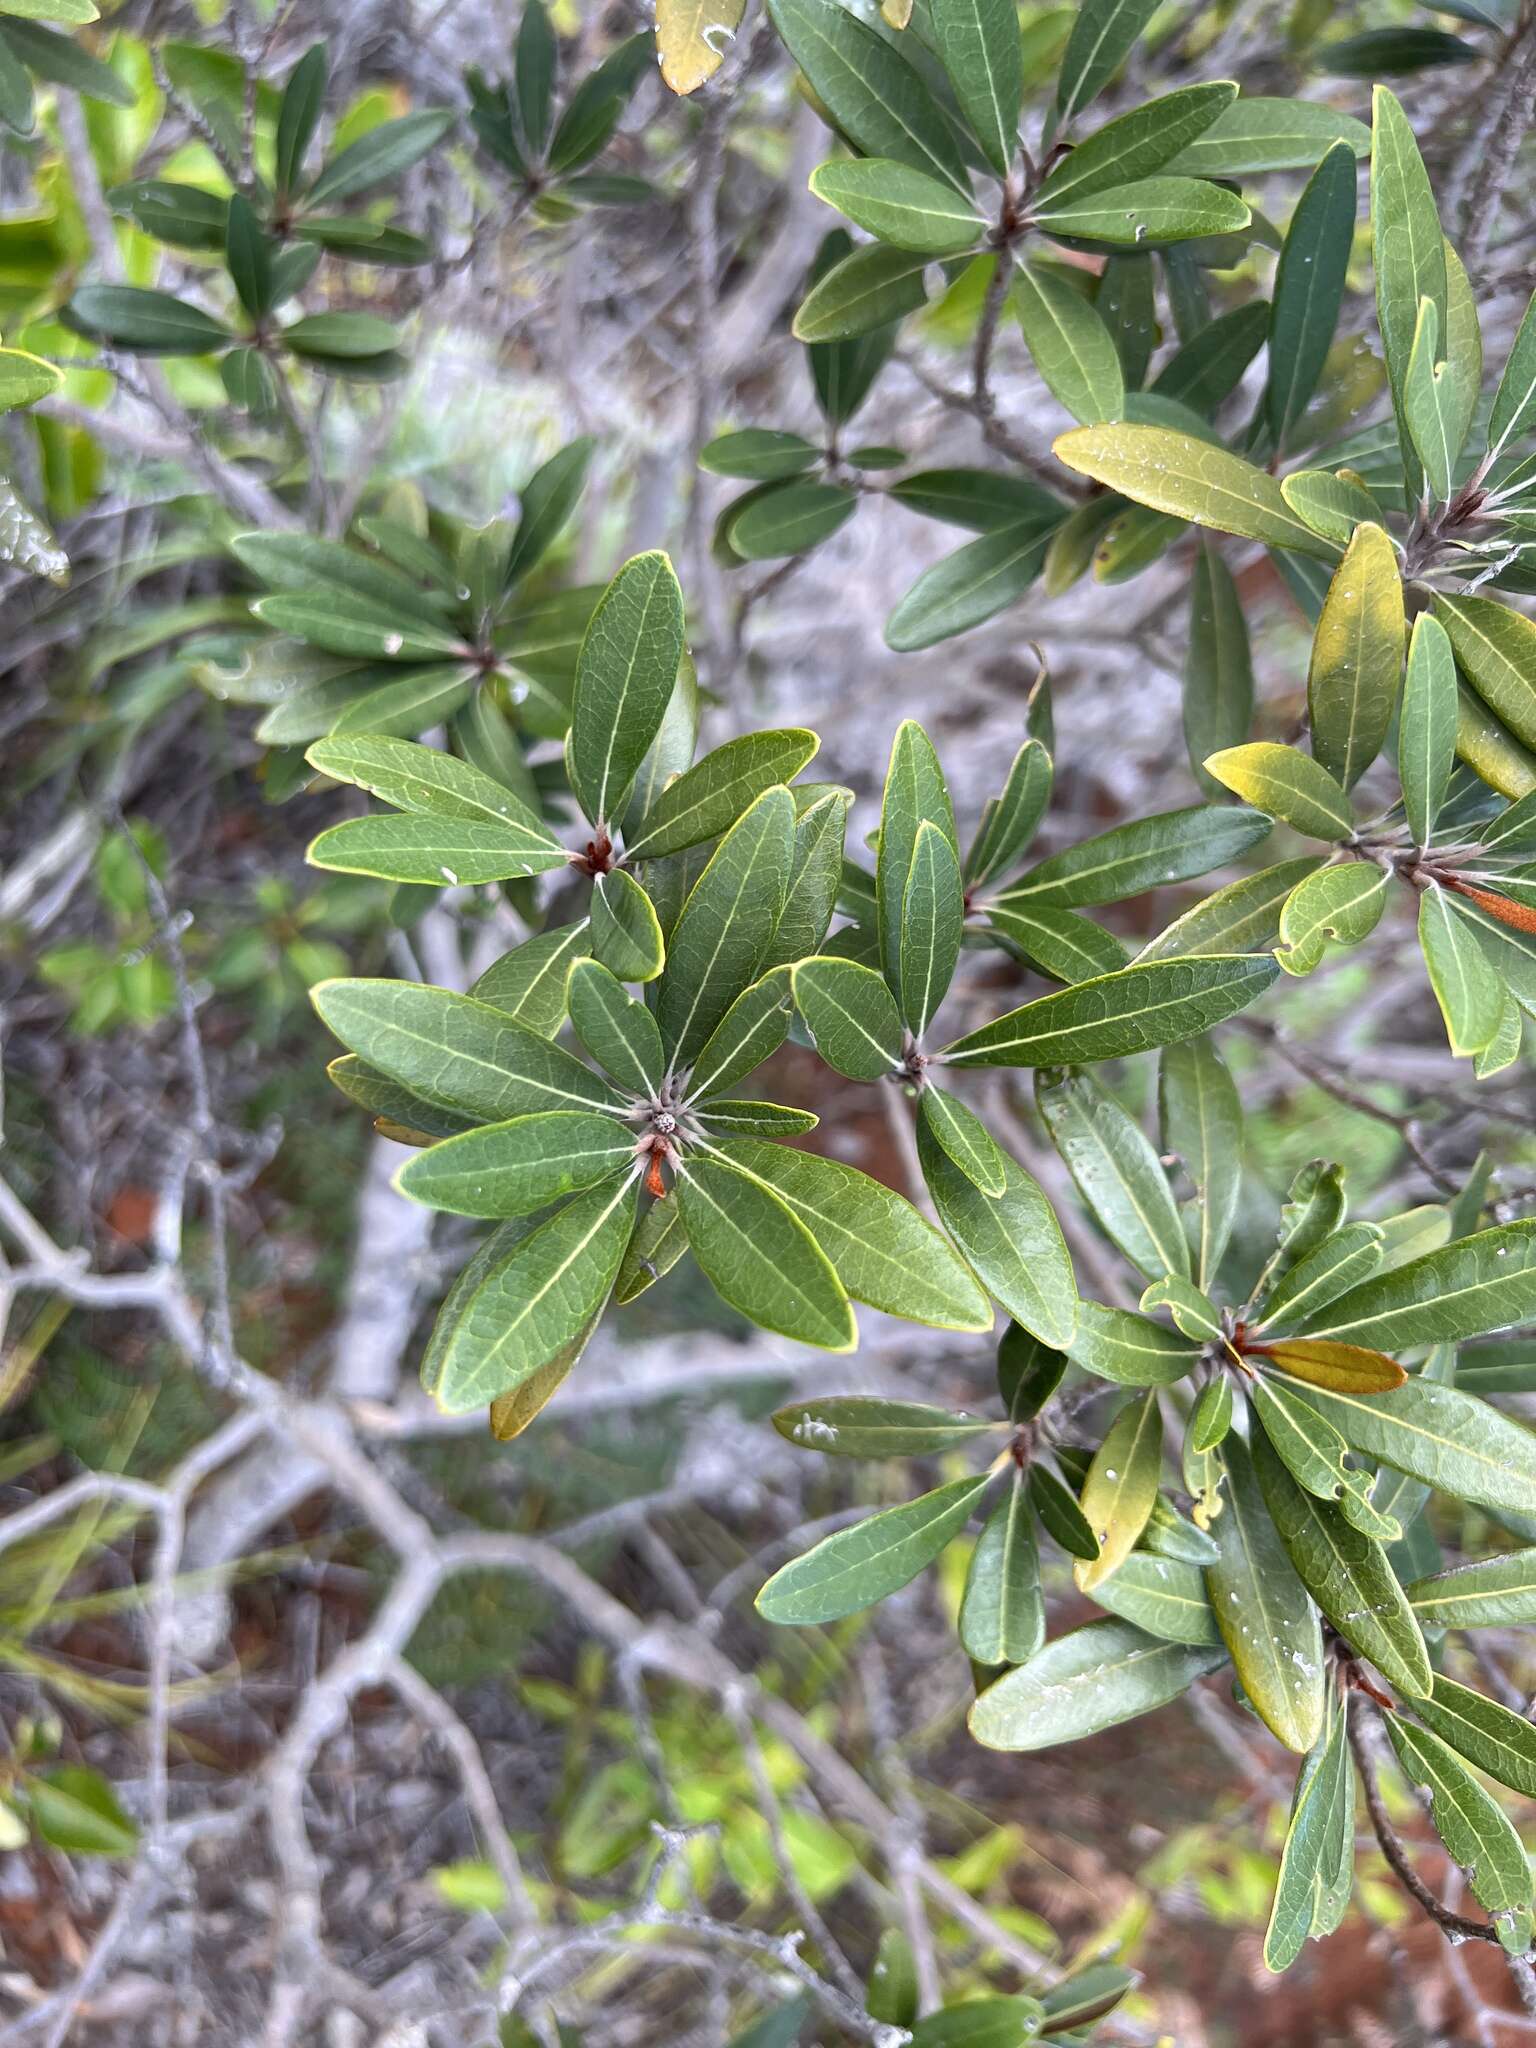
[548, 153]
[706, 882]
[929, 106]
[294, 206]
[1315, 1390]
[871, 999]
[29, 50]
[1428, 509]
[417, 622]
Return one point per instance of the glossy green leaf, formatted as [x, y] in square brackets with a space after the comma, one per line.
[455, 1051]
[1309, 290]
[1058, 943]
[1324, 1797]
[1426, 733]
[814, 874]
[871, 1560]
[1357, 657]
[519, 1167]
[1002, 1611]
[1101, 40]
[75, 1810]
[980, 2023]
[1408, 246]
[1009, 821]
[1060, 1516]
[1466, 984]
[1287, 784]
[1028, 1373]
[1347, 1574]
[1143, 215]
[624, 679]
[384, 152]
[1194, 1314]
[970, 586]
[1134, 1010]
[1495, 1738]
[1342, 1259]
[435, 850]
[979, 46]
[871, 288]
[1121, 1486]
[1340, 905]
[1073, 349]
[1212, 1415]
[882, 1251]
[761, 454]
[1201, 1122]
[871, 92]
[760, 1258]
[1218, 668]
[1137, 143]
[1514, 403]
[1267, 1621]
[1087, 1680]
[932, 925]
[963, 1139]
[709, 797]
[1480, 1283]
[1130, 1349]
[619, 1032]
[1495, 1592]
[726, 924]
[1242, 917]
[906, 208]
[1433, 419]
[298, 116]
[1474, 1828]
[1332, 505]
[624, 932]
[1436, 1434]
[1496, 651]
[852, 1016]
[1163, 1595]
[1117, 1171]
[1255, 134]
[1192, 480]
[529, 983]
[144, 322]
[868, 1426]
[755, 1026]
[1168, 846]
[1012, 1241]
[915, 792]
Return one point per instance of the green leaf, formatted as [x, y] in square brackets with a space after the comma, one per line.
[24, 378]
[969, 587]
[852, 1016]
[1309, 290]
[1480, 1283]
[873, 287]
[1496, 650]
[1168, 846]
[1129, 1349]
[1193, 1313]
[1324, 1795]
[932, 925]
[866, 1426]
[1309, 1447]
[1163, 1595]
[1134, 1010]
[755, 1025]
[1426, 733]
[1143, 215]
[384, 152]
[1121, 1486]
[901, 206]
[625, 676]
[1242, 917]
[298, 116]
[882, 1251]
[619, 1032]
[547, 501]
[248, 258]
[979, 46]
[74, 1808]
[1407, 243]
[146, 322]
[789, 519]
[1343, 1258]
[1466, 985]
[717, 789]
[386, 1100]
[60, 59]
[455, 1051]
[964, 1140]
[655, 1246]
[1002, 1611]
[1058, 943]
[518, 1167]
[1495, 1592]
[1101, 40]
[529, 983]
[725, 925]
[1255, 135]
[1474, 1828]
[761, 454]
[725, 1118]
[345, 336]
[1288, 784]
[1340, 904]
[1028, 1373]
[1212, 1415]
[1347, 1575]
[1514, 403]
[814, 874]
[1060, 1516]
[1084, 1996]
[1357, 657]
[1073, 349]
[435, 850]
[1190, 479]
[1218, 667]
[871, 1560]
[1137, 143]
[1436, 1434]
[984, 500]
[624, 932]
[980, 2023]
[1012, 1241]
[1201, 1122]
[529, 1302]
[1117, 1171]
[1498, 1741]
[760, 1258]
[915, 793]
[1087, 1680]
[1009, 821]
[875, 97]
[1331, 505]
[355, 626]
[1434, 420]
[1267, 1621]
